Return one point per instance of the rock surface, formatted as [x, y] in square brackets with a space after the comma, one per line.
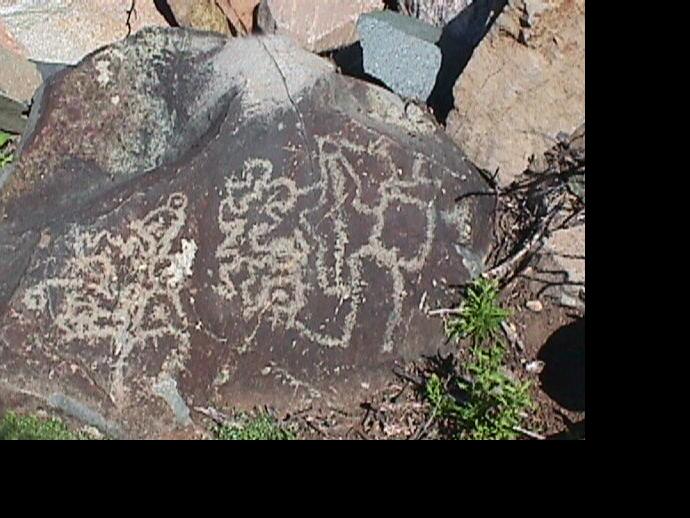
[199, 221]
[64, 31]
[18, 81]
[318, 25]
[401, 52]
[204, 15]
[434, 12]
[560, 270]
[9, 42]
[240, 13]
[524, 84]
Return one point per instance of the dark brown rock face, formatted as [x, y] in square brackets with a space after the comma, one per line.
[197, 221]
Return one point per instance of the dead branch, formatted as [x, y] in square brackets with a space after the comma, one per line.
[509, 268]
[444, 311]
[529, 433]
[213, 414]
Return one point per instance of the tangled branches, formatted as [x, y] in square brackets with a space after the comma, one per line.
[548, 197]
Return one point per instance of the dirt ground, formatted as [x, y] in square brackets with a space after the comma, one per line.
[554, 336]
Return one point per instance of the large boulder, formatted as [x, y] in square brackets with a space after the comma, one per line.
[195, 220]
[524, 84]
[64, 31]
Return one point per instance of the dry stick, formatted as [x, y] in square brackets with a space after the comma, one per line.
[444, 311]
[424, 428]
[510, 265]
[512, 336]
[528, 433]
[213, 414]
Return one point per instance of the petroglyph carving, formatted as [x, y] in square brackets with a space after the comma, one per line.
[270, 277]
[123, 291]
[270, 250]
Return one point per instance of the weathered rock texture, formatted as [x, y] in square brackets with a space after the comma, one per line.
[434, 12]
[318, 25]
[524, 84]
[240, 13]
[18, 80]
[204, 15]
[401, 52]
[560, 269]
[9, 42]
[195, 220]
[64, 31]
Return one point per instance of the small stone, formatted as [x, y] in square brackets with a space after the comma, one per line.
[535, 305]
[400, 51]
[266, 371]
[535, 367]
[92, 432]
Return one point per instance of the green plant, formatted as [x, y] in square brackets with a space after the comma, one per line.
[27, 427]
[261, 427]
[479, 315]
[493, 404]
[5, 156]
[442, 404]
[490, 404]
[496, 404]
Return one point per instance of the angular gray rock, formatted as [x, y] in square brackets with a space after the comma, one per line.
[401, 52]
[195, 221]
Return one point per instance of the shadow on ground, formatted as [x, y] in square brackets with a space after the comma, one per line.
[459, 39]
[563, 377]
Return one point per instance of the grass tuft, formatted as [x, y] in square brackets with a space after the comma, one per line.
[6, 156]
[480, 314]
[26, 427]
[261, 427]
[488, 402]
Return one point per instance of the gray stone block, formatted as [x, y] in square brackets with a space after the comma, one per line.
[400, 51]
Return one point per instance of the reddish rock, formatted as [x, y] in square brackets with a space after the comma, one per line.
[9, 42]
[203, 15]
[64, 31]
[240, 13]
[318, 25]
[524, 84]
